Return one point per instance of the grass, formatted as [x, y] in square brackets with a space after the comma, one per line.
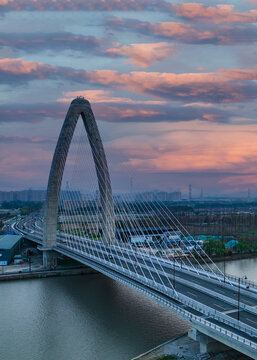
[168, 357]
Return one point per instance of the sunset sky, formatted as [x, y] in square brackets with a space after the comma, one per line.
[172, 85]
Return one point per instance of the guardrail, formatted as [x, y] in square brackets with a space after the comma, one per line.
[196, 319]
[204, 309]
[185, 313]
[199, 270]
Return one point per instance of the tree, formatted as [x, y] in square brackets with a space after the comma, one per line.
[214, 247]
[243, 246]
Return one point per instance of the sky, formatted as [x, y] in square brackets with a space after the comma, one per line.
[172, 85]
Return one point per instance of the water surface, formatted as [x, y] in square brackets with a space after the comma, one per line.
[86, 317]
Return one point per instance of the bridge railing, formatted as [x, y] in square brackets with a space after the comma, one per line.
[242, 280]
[170, 292]
[196, 319]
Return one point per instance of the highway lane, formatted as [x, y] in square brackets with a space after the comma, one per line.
[167, 297]
[219, 287]
[230, 293]
[202, 298]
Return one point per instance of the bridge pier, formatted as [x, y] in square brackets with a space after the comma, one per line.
[49, 257]
[207, 344]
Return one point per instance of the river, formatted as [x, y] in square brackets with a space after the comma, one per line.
[88, 317]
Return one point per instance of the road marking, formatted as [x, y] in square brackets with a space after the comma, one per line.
[254, 322]
[192, 294]
[248, 303]
[230, 311]
[221, 307]
[220, 291]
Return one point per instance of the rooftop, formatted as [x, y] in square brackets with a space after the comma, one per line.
[8, 241]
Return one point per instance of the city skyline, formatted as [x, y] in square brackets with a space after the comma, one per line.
[172, 87]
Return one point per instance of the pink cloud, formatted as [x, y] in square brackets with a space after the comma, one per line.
[214, 14]
[134, 113]
[19, 66]
[239, 180]
[103, 96]
[143, 55]
[225, 85]
[181, 149]
[21, 163]
[219, 86]
[170, 28]
[187, 33]
[199, 104]
[151, 79]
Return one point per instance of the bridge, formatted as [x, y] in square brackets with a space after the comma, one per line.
[222, 308]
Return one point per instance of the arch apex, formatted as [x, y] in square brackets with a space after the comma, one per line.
[80, 100]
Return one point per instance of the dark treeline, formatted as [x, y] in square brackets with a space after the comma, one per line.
[26, 207]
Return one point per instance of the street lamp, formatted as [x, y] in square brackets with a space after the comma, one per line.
[238, 297]
[29, 259]
[224, 266]
[174, 273]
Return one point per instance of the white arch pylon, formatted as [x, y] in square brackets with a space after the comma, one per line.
[78, 106]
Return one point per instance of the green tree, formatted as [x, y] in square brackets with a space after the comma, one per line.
[214, 247]
[243, 246]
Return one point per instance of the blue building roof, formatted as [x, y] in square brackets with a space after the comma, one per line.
[231, 243]
[8, 241]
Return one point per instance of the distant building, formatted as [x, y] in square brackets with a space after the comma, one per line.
[24, 195]
[147, 196]
[175, 196]
[159, 196]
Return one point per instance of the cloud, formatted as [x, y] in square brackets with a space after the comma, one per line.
[223, 86]
[213, 14]
[82, 5]
[104, 96]
[35, 41]
[139, 113]
[143, 55]
[20, 165]
[218, 148]
[109, 111]
[26, 113]
[26, 140]
[21, 71]
[187, 33]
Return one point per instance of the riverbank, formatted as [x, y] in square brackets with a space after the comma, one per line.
[206, 259]
[234, 257]
[47, 273]
[184, 348]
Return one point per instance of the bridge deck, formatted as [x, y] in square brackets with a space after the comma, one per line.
[197, 294]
